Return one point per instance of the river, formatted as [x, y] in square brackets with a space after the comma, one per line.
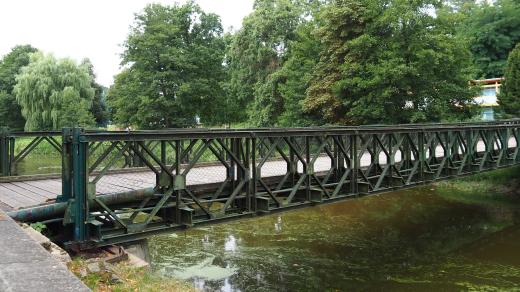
[412, 240]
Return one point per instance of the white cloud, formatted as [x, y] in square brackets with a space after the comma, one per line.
[89, 28]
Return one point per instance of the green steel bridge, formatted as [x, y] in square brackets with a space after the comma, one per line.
[110, 187]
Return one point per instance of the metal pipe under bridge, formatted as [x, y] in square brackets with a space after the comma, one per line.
[114, 187]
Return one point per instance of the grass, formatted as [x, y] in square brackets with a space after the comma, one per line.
[502, 186]
[131, 279]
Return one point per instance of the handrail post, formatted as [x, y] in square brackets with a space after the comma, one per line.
[5, 160]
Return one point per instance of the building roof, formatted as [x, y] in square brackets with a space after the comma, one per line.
[487, 81]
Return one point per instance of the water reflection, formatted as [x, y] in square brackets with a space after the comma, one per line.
[414, 240]
[230, 244]
[278, 225]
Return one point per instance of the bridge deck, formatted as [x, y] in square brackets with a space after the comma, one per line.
[22, 194]
[27, 193]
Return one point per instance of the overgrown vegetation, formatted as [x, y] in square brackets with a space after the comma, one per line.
[501, 185]
[122, 277]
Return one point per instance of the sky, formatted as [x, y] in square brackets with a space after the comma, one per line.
[93, 29]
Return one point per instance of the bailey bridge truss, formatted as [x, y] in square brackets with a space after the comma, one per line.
[123, 186]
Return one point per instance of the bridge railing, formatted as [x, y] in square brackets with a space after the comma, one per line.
[29, 153]
[38, 155]
[236, 173]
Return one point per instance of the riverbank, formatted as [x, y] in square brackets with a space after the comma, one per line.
[125, 278]
[500, 186]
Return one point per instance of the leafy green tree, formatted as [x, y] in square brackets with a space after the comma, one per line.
[494, 29]
[259, 50]
[54, 93]
[10, 66]
[509, 97]
[128, 99]
[174, 57]
[389, 62]
[295, 75]
[99, 107]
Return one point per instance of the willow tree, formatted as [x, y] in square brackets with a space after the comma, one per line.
[54, 93]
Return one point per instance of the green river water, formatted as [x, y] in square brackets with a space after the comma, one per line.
[413, 240]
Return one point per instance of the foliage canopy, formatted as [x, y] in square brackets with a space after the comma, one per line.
[174, 69]
[494, 30]
[509, 97]
[10, 66]
[388, 62]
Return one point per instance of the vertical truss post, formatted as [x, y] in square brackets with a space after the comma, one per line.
[66, 166]
[163, 152]
[337, 160]
[80, 184]
[254, 175]
[406, 155]
[374, 158]
[232, 170]
[5, 160]
[247, 163]
[447, 153]
[136, 159]
[504, 140]
[293, 165]
[238, 154]
[12, 165]
[309, 169]
[391, 158]
[490, 149]
[470, 151]
[178, 199]
[422, 154]
[354, 160]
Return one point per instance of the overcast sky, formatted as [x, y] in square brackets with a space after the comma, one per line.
[89, 28]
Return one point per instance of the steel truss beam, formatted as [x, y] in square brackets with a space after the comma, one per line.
[261, 171]
[206, 176]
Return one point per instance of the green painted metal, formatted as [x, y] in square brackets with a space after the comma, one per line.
[259, 171]
[5, 169]
[58, 209]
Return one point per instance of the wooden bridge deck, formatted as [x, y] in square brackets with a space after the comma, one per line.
[27, 193]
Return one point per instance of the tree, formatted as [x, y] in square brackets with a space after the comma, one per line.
[494, 29]
[389, 62]
[128, 99]
[54, 93]
[174, 57]
[259, 50]
[509, 97]
[10, 66]
[99, 108]
[295, 75]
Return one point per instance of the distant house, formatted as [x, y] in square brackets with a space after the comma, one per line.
[488, 96]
